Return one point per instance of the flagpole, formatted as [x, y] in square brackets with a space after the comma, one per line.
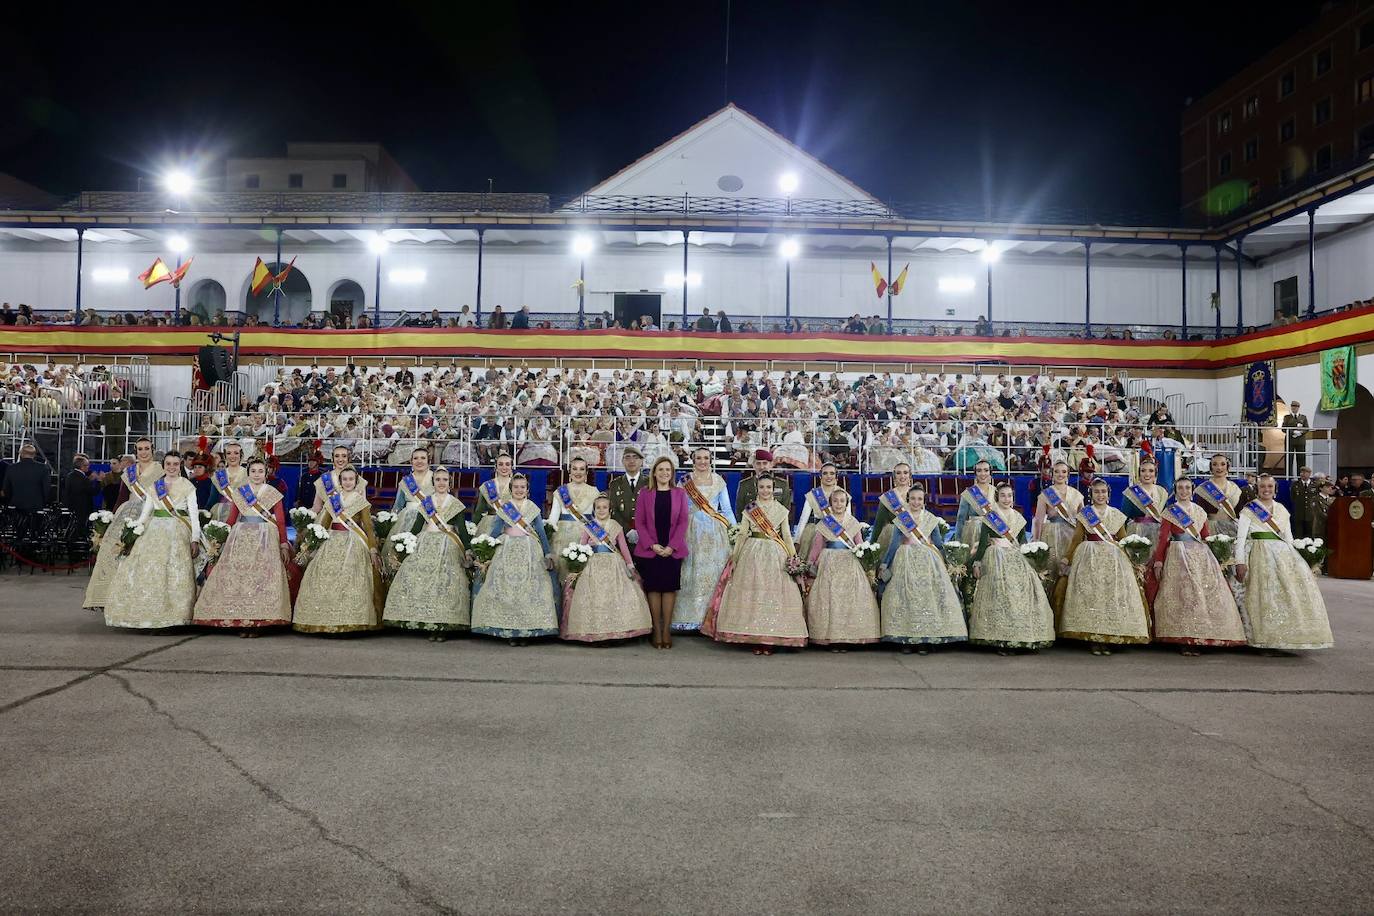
[276, 290]
[889, 284]
[177, 286]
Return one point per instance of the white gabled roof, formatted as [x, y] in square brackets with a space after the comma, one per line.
[730, 144]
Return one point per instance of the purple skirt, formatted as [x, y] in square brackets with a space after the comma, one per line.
[660, 574]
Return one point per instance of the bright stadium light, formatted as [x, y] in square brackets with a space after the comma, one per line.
[110, 275]
[377, 243]
[178, 244]
[956, 284]
[582, 245]
[179, 182]
[991, 254]
[788, 182]
[674, 279]
[789, 248]
[407, 277]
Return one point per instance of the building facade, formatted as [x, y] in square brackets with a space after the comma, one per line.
[341, 167]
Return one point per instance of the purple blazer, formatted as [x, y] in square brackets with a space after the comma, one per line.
[647, 526]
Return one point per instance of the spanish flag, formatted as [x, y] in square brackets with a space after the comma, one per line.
[879, 283]
[280, 278]
[180, 273]
[898, 283]
[158, 273]
[261, 277]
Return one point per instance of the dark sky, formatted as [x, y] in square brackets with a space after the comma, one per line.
[1068, 104]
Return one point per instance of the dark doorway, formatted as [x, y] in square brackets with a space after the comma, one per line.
[634, 306]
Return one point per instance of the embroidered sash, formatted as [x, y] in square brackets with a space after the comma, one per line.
[513, 517]
[327, 481]
[1218, 497]
[993, 520]
[222, 483]
[431, 514]
[699, 500]
[1095, 524]
[590, 525]
[1056, 502]
[1182, 520]
[336, 510]
[250, 499]
[980, 502]
[132, 482]
[836, 529]
[1143, 501]
[164, 497]
[1264, 515]
[765, 527]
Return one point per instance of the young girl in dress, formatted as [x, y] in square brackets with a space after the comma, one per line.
[155, 585]
[840, 607]
[920, 606]
[342, 587]
[1010, 610]
[513, 597]
[431, 591]
[1103, 604]
[605, 602]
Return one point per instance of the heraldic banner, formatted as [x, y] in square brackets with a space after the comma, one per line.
[1259, 393]
[1338, 378]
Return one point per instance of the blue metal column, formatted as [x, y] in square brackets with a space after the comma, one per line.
[176, 319]
[1087, 289]
[889, 284]
[685, 246]
[581, 293]
[989, 315]
[276, 287]
[480, 234]
[1312, 262]
[377, 295]
[1216, 291]
[1183, 289]
[1240, 297]
[787, 293]
[80, 241]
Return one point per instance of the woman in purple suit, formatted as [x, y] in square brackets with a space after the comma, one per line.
[662, 513]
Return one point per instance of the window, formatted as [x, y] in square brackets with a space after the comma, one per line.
[1364, 89]
[1251, 107]
[1366, 35]
[1321, 112]
[1252, 149]
[1285, 176]
[252, 181]
[1288, 83]
[1321, 62]
[1288, 130]
[1224, 164]
[1286, 298]
[295, 180]
[340, 180]
[1322, 161]
[1224, 122]
[1364, 142]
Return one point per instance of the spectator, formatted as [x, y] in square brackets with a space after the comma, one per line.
[497, 320]
[79, 490]
[465, 317]
[722, 322]
[7, 315]
[26, 482]
[982, 327]
[704, 323]
[521, 321]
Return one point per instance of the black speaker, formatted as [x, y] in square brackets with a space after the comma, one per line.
[215, 364]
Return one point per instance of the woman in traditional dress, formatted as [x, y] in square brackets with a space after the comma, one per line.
[135, 484]
[226, 480]
[923, 460]
[792, 450]
[811, 510]
[1143, 502]
[431, 591]
[1220, 496]
[537, 449]
[248, 587]
[1193, 605]
[566, 528]
[840, 607]
[1103, 604]
[708, 541]
[1284, 610]
[1010, 610]
[500, 483]
[883, 454]
[406, 505]
[514, 597]
[342, 588]
[759, 602]
[1055, 511]
[662, 517]
[606, 602]
[920, 606]
[978, 497]
[901, 486]
[155, 586]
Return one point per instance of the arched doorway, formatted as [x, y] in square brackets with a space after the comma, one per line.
[295, 298]
[1355, 434]
[206, 299]
[346, 298]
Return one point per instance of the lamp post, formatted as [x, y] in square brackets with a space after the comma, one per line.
[80, 238]
[582, 246]
[178, 244]
[789, 249]
[991, 255]
[378, 245]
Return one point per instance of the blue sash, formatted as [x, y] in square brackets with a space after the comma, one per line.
[1259, 511]
[822, 502]
[411, 484]
[996, 522]
[1215, 494]
[1180, 517]
[160, 488]
[335, 502]
[327, 481]
[832, 525]
[222, 479]
[1141, 496]
[249, 497]
[131, 475]
[512, 514]
[979, 499]
[893, 502]
[1053, 498]
[427, 505]
[1090, 516]
[492, 492]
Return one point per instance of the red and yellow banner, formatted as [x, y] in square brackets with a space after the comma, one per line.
[1352, 327]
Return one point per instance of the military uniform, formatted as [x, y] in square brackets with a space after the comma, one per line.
[1296, 426]
[749, 488]
[623, 493]
[1301, 496]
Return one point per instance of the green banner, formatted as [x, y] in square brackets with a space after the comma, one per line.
[1338, 378]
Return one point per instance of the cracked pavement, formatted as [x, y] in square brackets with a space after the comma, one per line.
[201, 773]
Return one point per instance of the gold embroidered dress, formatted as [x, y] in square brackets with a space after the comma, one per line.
[606, 603]
[920, 604]
[759, 603]
[1010, 609]
[514, 599]
[1193, 604]
[1220, 519]
[406, 509]
[155, 585]
[341, 590]
[248, 587]
[1103, 601]
[567, 529]
[708, 550]
[1056, 527]
[1283, 606]
[431, 590]
[1139, 519]
[108, 557]
[238, 476]
[840, 607]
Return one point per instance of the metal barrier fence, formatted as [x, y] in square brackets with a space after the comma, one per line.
[868, 446]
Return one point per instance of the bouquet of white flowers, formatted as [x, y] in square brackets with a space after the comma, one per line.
[733, 534]
[403, 544]
[483, 548]
[381, 524]
[1223, 547]
[868, 553]
[471, 528]
[300, 517]
[129, 536]
[1037, 553]
[575, 557]
[308, 540]
[100, 523]
[1313, 550]
[957, 555]
[216, 533]
[1137, 548]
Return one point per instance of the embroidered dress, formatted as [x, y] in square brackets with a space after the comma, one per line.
[708, 550]
[1010, 609]
[566, 528]
[485, 512]
[431, 590]
[758, 602]
[1283, 606]
[155, 586]
[883, 530]
[919, 602]
[605, 602]
[810, 514]
[1193, 605]
[1055, 526]
[1219, 520]
[1139, 519]
[108, 557]
[248, 586]
[236, 477]
[967, 522]
[515, 598]
[406, 508]
[1102, 601]
[840, 607]
[341, 590]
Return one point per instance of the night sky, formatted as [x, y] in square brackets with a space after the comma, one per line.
[1060, 104]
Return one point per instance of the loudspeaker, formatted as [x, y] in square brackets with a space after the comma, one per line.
[215, 364]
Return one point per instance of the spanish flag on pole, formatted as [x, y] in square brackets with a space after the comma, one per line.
[261, 277]
[180, 273]
[158, 273]
[879, 284]
[898, 283]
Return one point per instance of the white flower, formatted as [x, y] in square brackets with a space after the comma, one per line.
[209, 526]
[955, 544]
[1218, 538]
[138, 530]
[1135, 539]
[1317, 542]
[386, 516]
[472, 529]
[130, 523]
[1034, 547]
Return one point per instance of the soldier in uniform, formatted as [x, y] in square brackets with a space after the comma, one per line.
[1302, 492]
[1296, 425]
[749, 486]
[1320, 506]
[623, 490]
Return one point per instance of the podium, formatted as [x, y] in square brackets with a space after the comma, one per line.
[1350, 538]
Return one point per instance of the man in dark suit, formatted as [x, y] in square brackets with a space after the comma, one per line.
[26, 482]
[749, 486]
[624, 490]
[78, 490]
